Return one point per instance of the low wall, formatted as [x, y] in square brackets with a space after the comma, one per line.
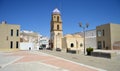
[101, 54]
[116, 47]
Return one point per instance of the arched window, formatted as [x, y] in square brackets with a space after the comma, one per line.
[57, 18]
[57, 27]
[72, 45]
[81, 44]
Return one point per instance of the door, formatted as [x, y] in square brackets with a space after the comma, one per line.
[11, 44]
[99, 45]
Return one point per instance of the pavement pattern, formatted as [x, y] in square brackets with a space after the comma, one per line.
[107, 64]
[38, 61]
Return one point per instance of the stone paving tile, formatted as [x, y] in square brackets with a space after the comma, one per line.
[28, 57]
[30, 66]
[52, 61]
[21, 53]
[33, 58]
[5, 59]
[68, 65]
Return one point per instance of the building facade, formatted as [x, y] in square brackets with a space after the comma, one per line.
[29, 40]
[56, 31]
[107, 36]
[9, 37]
[44, 42]
[72, 42]
[90, 38]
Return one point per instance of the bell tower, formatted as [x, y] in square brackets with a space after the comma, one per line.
[56, 32]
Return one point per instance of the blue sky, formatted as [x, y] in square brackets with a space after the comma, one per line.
[35, 15]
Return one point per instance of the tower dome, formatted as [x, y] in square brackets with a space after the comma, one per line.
[56, 11]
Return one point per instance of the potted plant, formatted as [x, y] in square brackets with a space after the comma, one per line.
[89, 50]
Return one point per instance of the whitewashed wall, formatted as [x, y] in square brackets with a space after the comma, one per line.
[26, 46]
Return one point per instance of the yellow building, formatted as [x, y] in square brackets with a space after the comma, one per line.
[9, 36]
[72, 42]
[107, 36]
[57, 40]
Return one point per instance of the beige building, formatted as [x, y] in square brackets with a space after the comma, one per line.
[107, 36]
[72, 42]
[9, 36]
[57, 40]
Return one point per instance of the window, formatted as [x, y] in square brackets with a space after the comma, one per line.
[57, 18]
[81, 44]
[17, 33]
[72, 45]
[57, 27]
[11, 32]
[53, 17]
[103, 33]
[17, 44]
[99, 33]
[11, 44]
[7, 38]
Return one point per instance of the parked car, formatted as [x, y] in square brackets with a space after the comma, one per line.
[40, 48]
[49, 48]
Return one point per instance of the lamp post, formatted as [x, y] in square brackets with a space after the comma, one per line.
[84, 27]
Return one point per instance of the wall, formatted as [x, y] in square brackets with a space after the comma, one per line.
[106, 37]
[26, 46]
[115, 34]
[67, 40]
[90, 38]
[5, 35]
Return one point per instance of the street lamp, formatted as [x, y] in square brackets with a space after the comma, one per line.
[84, 27]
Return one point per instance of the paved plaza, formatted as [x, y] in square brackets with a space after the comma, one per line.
[46, 60]
[98, 62]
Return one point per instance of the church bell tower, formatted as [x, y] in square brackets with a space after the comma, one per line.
[56, 32]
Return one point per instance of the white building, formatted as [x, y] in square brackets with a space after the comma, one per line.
[90, 38]
[29, 40]
[44, 42]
